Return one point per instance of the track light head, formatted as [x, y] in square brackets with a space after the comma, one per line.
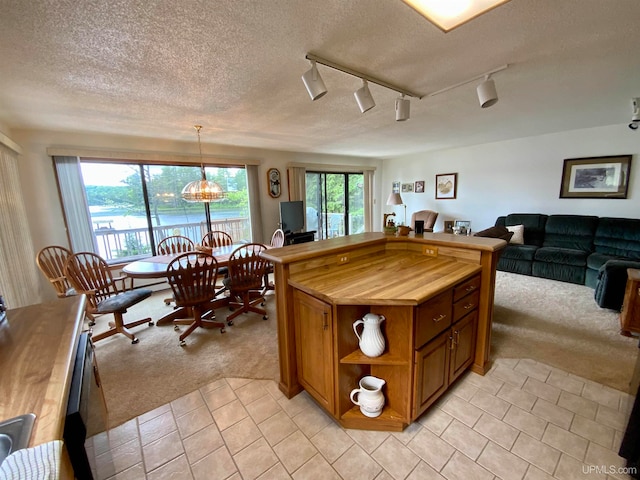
[403, 108]
[313, 82]
[487, 94]
[364, 98]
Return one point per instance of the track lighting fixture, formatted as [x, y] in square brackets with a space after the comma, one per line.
[403, 108]
[313, 82]
[316, 88]
[364, 98]
[487, 94]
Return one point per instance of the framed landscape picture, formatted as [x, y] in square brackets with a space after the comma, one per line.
[446, 185]
[596, 177]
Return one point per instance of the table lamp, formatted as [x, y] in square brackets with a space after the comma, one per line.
[396, 199]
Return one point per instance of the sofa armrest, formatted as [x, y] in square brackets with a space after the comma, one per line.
[611, 283]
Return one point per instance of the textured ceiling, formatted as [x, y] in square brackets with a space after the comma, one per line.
[156, 68]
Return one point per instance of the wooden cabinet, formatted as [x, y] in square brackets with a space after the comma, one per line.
[440, 361]
[314, 341]
[630, 316]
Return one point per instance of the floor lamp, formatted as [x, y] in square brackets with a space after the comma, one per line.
[396, 199]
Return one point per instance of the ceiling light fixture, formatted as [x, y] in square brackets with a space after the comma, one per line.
[487, 94]
[449, 14]
[364, 98]
[313, 82]
[403, 109]
[203, 190]
[363, 94]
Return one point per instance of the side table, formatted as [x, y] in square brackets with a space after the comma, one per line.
[630, 316]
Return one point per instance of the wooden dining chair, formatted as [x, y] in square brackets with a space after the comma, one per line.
[50, 261]
[277, 240]
[217, 238]
[192, 277]
[172, 245]
[246, 274]
[89, 274]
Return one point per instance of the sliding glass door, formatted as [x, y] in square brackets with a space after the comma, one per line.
[335, 203]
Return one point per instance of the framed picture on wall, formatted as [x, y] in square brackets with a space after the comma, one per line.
[596, 177]
[446, 186]
[395, 188]
[419, 187]
[407, 187]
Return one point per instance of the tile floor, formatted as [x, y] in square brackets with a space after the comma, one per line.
[523, 420]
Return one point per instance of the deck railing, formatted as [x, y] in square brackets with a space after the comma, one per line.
[116, 245]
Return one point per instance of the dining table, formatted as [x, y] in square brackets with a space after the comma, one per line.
[155, 267]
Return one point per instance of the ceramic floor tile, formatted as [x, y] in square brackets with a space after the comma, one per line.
[460, 467]
[176, 468]
[123, 433]
[294, 451]
[119, 459]
[502, 463]
[255, 459]
[517, 397]
[591, 430]
[612, 417]
[278, 427]
[263, 408]
[218, 465]
[161, 451]
[145, 417]
[565, 441]
[464, 390]
[566, 383]
[202, 443]
[539, 454]
[431, 448]
[395, 458]
[603, 395]
[311, 421]
[525, 422]
[463, 411]
[553, 413]
[578, 404]
[157, 427]
[250, 392]
[435, 420]
[241, 434]
[368, 440]
[318, 468]
[424, 472]
[509, 375]
[229, 414]
[488, 383]
[542, 390]
[497, 431]
[277, 472]
[133, 473]
[357, 464]
[332, 442]
[570, 468]
[219, 397]
[195, 420]
[464, 439]
[222, 382]
[598, 455]
[533, 369]
[295, 405]
[408, 433]
[490, 404]
[187, 403]
[534, 473]
[236, 383]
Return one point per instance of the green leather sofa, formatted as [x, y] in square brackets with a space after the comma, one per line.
[582, 249]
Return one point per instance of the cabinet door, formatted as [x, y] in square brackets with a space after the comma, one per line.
[463, 334]
[313, 347]
[431, 378]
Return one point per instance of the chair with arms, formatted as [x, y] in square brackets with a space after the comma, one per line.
[217, 238]
[277, 240]
[172, 245]
[246, 274]
[89, 274]
[50, 261]
[192, 277]
[428, 216]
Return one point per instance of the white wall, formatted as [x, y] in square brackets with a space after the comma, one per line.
[517, 176]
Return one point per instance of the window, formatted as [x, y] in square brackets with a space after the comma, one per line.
[335, 203]
[133, 206]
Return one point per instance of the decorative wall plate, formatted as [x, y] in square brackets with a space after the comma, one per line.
[273, 176]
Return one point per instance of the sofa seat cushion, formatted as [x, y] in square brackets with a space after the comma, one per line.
[574, 232]
[561, 256]
[596, 260]
[618, 237]
[519, 252]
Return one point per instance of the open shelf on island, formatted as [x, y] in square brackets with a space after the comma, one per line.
[357, 357]
[389, 419]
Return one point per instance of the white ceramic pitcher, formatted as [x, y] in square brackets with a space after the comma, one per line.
[370, 396]
[371, 341]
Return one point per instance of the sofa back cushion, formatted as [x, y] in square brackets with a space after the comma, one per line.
[575, 232]
[533, 226]
[619, 237]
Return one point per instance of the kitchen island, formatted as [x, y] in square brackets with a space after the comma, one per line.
[37, 353]
[435, 291]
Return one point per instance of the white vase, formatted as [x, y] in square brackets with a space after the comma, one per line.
[370, 398]
[371, 340]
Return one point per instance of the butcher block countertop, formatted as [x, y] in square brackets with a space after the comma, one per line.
[37, 351]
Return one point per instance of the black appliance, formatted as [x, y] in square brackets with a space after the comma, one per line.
[86, 410]
[630, 447]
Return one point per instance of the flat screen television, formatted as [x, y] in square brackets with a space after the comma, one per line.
[292, 216]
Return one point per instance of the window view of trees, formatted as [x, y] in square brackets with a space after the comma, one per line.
[119, 195]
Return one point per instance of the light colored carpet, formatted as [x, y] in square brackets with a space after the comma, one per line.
[553, 322]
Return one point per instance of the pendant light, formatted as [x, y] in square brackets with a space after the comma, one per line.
[202, 190]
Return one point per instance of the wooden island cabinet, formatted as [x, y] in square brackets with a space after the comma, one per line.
[435, 292]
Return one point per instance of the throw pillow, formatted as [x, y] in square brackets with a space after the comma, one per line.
[518, 234]
[496, 232]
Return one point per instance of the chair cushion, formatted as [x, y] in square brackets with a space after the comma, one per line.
[122, 301]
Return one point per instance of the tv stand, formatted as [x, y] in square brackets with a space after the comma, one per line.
[291, 238]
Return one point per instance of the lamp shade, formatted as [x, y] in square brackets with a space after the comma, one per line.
[394, 199]
[202, 191]
[403, 108]
[487, 94]
[364, 98]
[313, 82]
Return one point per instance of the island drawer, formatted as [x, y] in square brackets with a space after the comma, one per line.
[467, 287]
[466, 305]
[434, 316]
